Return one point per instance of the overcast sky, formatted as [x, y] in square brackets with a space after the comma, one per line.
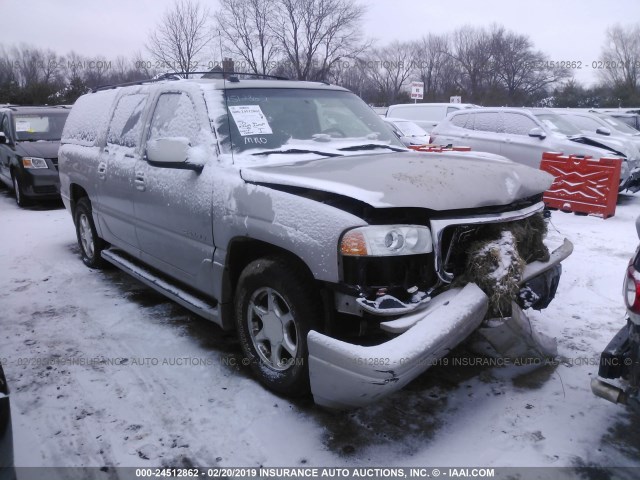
[566, 30]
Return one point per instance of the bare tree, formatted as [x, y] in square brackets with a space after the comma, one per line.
[620, 59]
[472, 52]
[389, 69]
[316, 34]
[435, 67]
[244, 25]
[521, 71]
[181, 36]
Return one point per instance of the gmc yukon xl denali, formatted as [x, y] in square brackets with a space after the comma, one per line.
[289, 212]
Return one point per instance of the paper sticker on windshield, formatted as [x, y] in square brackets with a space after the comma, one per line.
[23, 126]
[250, 120]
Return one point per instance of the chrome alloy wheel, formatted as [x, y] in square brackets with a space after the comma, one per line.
[272, 328]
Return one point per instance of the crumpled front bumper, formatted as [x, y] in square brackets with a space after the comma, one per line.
[344, 375]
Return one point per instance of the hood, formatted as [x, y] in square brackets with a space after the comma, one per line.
[43, 149]
[610, 144]
[437, 181]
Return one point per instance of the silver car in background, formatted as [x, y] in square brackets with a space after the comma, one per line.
[523, 135]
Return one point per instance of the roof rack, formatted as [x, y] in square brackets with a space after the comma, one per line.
[231, 76]
[14, 107]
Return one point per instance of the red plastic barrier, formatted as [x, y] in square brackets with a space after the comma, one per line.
[582, 184]
[438, 148]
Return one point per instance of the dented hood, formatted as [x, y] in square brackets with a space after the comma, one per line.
[437, 181]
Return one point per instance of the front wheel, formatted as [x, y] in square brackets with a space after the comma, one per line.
[90, 243]
[18, 192]
[276, 306]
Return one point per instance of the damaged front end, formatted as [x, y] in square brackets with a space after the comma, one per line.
[433, 300]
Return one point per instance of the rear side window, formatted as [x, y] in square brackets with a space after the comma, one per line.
[174, 116]
[488, 122]
[462, 120]
[87, 123]
[518, 124]
[126, 123]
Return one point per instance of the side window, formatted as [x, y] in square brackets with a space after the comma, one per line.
[174, 116]
[518, 124]
[126, 123]
[461, 120]
[4, 126]
[488, 122]
[452, 109]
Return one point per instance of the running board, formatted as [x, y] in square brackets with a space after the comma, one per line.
[188, 300]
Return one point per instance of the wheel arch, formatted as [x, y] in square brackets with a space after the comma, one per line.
[242, 251]
[76, 192]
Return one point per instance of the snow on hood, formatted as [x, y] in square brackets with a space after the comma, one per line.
[43, 149]
[437, 181]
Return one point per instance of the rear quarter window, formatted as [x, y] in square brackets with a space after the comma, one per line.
[89, 118]
[462, 120]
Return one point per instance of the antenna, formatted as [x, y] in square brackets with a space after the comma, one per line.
[221, 53]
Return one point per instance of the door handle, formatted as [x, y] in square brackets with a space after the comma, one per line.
[102, 170]
[139, 181]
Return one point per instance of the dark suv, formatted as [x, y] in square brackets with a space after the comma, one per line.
[29, 141]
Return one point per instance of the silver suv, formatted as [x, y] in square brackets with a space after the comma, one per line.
[289, 212]
[523, 135]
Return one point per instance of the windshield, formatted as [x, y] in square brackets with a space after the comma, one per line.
[558, 124]
[409, 129]
[281, 120]
[39, 126]
[619, 125]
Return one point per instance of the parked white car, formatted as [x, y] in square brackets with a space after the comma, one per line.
[427, 115]
[523, 135]
[408, 132]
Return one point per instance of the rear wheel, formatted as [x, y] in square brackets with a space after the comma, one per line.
[90, 243]
[276, 307]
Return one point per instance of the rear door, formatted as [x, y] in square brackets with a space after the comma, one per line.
[455, 130]
[487, 134]
[172, 205]
[116, 171]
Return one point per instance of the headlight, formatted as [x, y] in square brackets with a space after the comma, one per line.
[385, 240]
[34, 162]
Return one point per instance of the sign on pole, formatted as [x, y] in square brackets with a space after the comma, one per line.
[417, 90]
[455, 99]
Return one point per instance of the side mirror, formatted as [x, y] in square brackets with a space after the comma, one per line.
[171, 152]
[3, 138]
[603, 131]
[537, 132]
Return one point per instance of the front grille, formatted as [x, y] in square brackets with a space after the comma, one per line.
[55, 162]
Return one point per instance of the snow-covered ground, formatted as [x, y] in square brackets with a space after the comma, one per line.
[106, 372]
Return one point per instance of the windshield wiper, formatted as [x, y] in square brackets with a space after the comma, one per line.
[371, 146]
[297, 150]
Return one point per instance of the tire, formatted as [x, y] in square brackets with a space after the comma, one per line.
[276, 304]
[88, 240]
[18, 192]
